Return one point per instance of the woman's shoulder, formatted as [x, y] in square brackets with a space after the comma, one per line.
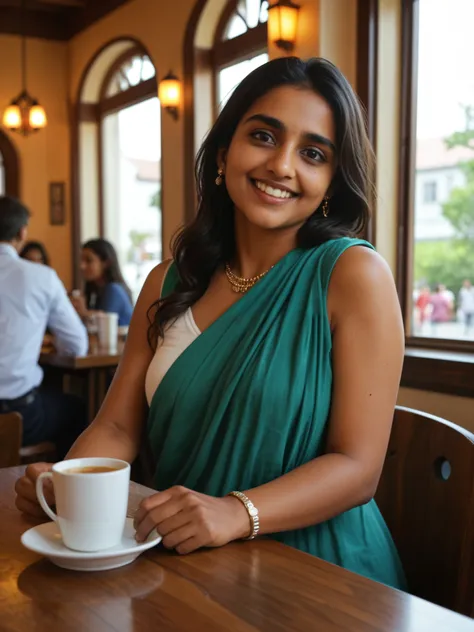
[361, 279]
[115, 289]
[359, 262]
[159, 277]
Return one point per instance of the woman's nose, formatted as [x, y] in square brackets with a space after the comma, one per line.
[282, 162]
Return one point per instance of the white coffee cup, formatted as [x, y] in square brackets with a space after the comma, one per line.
[91, 506]
[107, 330]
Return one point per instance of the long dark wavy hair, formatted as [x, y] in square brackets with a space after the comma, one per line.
[107, 254]
[208, 241]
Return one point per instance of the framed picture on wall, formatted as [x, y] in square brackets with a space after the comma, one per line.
[57, 203]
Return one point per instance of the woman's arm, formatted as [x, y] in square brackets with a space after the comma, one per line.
[117, 429]
[368, 345]
[368, 348]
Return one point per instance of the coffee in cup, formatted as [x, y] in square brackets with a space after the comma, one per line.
[90, 469]
[91, 501]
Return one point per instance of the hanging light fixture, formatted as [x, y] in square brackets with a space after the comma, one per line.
[24, 114]
[283, 23]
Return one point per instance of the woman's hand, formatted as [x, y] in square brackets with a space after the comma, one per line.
[187, 520]
[25, 487]
[79, 303]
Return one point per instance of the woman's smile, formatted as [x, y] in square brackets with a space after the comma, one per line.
[271, 192]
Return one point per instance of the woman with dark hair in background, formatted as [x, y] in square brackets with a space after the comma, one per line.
[36, 252]
[105, 288]
[275, 340]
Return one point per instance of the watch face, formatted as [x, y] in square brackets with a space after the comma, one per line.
[253, 512]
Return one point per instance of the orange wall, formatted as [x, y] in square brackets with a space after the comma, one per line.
[44, 157]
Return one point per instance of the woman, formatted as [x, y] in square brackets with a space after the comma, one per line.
[441, 307]
[277, 344]
[36, 252]
[105, 288]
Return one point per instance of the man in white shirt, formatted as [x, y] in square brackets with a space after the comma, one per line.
[466, 304]
[33, 298]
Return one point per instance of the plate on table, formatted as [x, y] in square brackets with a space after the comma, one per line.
[46, 540]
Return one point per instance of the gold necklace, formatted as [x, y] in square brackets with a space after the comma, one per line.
[241, 284]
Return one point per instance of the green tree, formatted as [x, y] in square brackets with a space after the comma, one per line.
[459, 208]
[447, 262]
[137, 240]
[155, 199]
[451, 261]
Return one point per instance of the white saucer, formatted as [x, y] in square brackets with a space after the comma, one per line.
[46, 540]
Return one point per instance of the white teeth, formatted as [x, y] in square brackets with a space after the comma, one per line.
[277, 193]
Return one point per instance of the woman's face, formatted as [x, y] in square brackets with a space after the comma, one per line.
[281, 159]
[34, 255]
[92, 266]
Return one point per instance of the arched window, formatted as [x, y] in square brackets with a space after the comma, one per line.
[220, 49]
[134, 70]
[240, 44]
[124, 142]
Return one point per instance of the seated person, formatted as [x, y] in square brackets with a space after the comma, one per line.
[105, 288]
[36, 252]
[264, 361]
[33, 298]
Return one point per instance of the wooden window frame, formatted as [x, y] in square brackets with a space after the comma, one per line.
[226, 53]
[432, 364]
[96, 112]
[11, 166]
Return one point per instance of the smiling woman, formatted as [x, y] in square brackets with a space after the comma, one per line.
[289, 123]
[275, 346]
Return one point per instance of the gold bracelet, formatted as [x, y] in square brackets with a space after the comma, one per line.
[252, 512]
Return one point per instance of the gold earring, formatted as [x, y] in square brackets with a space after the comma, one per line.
[220, 177]
[325, 206]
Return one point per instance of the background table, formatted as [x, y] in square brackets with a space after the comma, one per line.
[93, 370]
[243, 587]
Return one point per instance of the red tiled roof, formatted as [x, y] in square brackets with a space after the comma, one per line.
[147, 170]
[432, 153]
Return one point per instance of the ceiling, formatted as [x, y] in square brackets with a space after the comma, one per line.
[53, 19]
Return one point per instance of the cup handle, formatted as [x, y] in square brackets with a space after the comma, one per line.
[40, 494]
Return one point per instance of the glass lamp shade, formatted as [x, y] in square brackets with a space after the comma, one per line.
[37, 117]
[283, 23]
[169, 91]
[12, 117]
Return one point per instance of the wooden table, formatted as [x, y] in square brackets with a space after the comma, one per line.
[243, 587]
[94, 369]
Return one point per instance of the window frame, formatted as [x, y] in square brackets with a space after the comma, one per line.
[11, 166]
[96, 112]
[406, 187]
[431, 364]
[226, 53]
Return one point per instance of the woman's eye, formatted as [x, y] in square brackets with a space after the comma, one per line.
[262, 136]
[314, 154]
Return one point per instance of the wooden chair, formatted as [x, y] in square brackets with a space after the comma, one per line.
[10, 439]
[426, 495]
[11, 451]
[44, 451]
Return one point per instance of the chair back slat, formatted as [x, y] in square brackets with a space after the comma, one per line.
[426, 495]
[11, 429]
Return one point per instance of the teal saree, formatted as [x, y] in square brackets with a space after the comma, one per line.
[249, 401]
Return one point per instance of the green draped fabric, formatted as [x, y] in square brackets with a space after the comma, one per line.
[249, 401]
